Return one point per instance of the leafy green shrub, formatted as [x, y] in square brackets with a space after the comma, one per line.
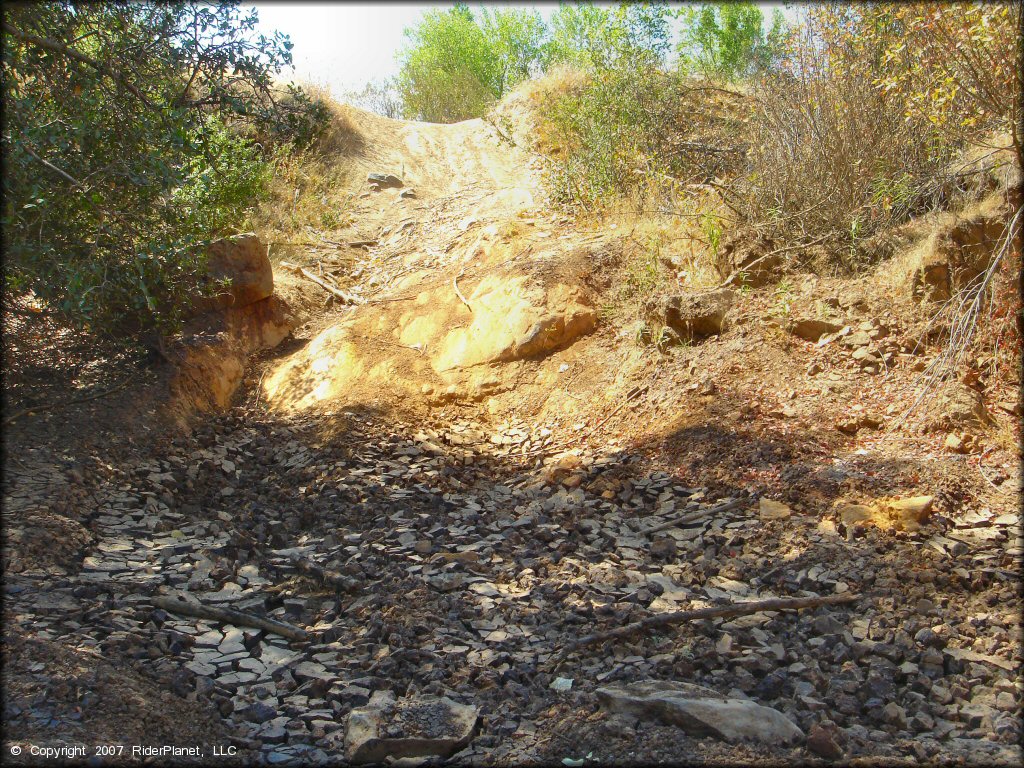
[126, 150]
[221, 186]
[637, 131]
[455, 66]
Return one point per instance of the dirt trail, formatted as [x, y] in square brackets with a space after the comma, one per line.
[484, 480]
[469, 277]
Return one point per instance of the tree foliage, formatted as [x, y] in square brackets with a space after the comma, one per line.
[455, 66]
[125, 153]
[601, 37]
[728, 40]
[446, 72]
[515, 41]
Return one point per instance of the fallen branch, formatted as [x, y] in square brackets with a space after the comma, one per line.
[346, 298]
[693, 517]
[229, 616]
[316, 244]
[715, 612]
[66, 403]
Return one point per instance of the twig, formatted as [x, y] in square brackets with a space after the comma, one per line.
[229, 616]
[66, 403]
[455, 285]
[346, 298]
[695, 516]
[964, 309]
[63, 174]
[714, 612]
[259, 389]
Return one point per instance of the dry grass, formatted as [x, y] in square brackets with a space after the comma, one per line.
[538, 94]
[306, 202]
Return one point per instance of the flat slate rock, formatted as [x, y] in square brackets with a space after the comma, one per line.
[700, 711]
[409, 728]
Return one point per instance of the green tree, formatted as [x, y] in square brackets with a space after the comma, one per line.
[124, 153]
[515, 38]
[447, 70]
[599, 37]
[454, 66]
[728, 41]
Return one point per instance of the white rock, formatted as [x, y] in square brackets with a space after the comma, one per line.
[700, 711]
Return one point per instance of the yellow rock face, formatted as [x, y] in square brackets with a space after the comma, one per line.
[434, 343]
[888, 514]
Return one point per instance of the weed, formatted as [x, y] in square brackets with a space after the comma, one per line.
[711, 225]
[784, 297]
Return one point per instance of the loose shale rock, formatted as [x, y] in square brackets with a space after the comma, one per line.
[420, 727]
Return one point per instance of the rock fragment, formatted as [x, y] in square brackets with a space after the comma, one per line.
[700, 711]
[390, 729]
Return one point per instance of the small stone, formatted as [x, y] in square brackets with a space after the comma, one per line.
[929, 639]
[894, 714]
[258, 713]
[1006, 702]
[382, 180]
[773, 510]
[821, 742]
[664, 548]
[955, 444]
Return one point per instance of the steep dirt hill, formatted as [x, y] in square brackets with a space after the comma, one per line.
[470, 277]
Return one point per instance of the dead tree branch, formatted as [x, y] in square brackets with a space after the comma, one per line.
[716, 612]
[229, 616]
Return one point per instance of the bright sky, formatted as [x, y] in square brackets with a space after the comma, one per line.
[346, 45]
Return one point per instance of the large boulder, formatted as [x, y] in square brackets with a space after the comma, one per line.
[244, 262]
[700, 711]
[694, 315]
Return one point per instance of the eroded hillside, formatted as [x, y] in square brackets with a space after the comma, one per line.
[438, 484]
